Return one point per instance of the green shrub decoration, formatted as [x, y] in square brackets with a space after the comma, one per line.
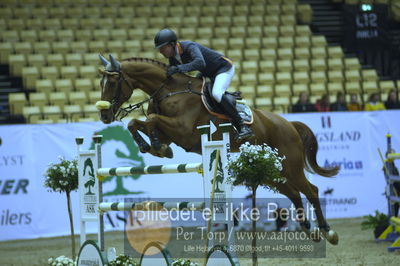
[255, 165]
[63, 176]
[371, 222]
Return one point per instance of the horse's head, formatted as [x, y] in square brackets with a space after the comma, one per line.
[115, 90]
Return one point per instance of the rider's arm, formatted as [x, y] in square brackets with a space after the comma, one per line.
[198, 63]
[173, 61]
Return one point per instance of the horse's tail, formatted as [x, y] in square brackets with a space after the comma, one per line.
[310, 149]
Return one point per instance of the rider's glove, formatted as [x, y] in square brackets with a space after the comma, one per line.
[172, 70]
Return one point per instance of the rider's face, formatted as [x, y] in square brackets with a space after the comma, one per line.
[168, 50]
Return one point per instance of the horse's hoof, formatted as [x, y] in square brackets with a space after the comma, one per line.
[166, 151]
[315, 235]
[156, 145]
[169, 153]
[331, 236]
[156, 153]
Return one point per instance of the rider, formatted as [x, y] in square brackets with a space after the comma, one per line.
[187, 56]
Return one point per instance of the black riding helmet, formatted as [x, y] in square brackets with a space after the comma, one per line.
[163, 37]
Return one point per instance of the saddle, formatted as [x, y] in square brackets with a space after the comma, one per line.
[213, 107]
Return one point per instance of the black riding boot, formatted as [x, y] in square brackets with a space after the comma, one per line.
[229, 106]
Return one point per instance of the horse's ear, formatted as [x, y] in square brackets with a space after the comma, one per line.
[115, 65]
[103, 60]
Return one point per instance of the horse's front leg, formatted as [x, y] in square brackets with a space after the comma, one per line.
[134, 127]
[159, 148]
[160, 129]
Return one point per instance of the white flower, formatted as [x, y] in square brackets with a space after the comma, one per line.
[50, 260]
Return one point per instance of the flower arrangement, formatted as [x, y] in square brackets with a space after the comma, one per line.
[61, 261]
[63, 177]
[255, 165]
[123, 260]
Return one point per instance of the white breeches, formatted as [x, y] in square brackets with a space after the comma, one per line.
[221, 83]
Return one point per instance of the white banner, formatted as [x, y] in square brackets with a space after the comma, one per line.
[350, 140]
[28, 210]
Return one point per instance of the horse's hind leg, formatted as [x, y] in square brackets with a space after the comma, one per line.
[329, 234]
[311, 193]
[294, 195]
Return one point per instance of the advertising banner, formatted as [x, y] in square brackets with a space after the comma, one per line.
[350, 141]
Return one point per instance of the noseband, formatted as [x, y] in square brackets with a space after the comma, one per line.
[116, 100]
[118, 114]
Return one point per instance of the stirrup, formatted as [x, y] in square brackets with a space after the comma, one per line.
[245, 135]
[248, 133]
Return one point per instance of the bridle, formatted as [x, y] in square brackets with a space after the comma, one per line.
[117, 96]
[121, 113]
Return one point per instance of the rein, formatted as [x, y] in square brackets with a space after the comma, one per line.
[123, 112]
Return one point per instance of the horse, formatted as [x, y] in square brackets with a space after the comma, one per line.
[175, 110]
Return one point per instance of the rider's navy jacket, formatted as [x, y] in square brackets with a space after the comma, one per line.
[197, 57]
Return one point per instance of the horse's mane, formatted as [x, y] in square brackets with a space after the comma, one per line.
[150, 61]
[147, 60]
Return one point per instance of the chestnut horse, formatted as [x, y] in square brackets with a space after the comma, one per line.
[175, 110]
